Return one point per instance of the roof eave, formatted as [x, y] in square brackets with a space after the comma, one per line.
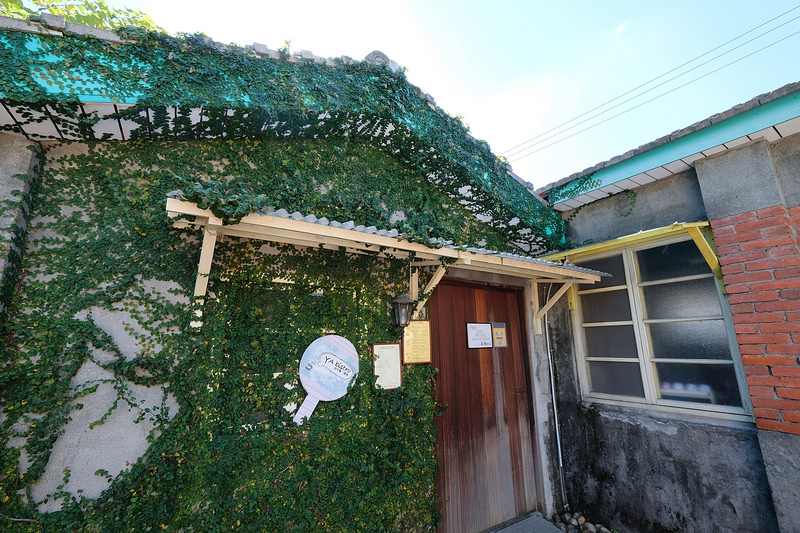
[770, 116]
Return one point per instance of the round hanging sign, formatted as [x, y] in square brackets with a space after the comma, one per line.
[328, 368]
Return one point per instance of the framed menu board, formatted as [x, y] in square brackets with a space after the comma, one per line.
[417, 342]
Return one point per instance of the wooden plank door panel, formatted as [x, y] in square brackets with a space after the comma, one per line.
[485, 445]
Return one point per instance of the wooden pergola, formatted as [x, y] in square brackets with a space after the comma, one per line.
[298, 230]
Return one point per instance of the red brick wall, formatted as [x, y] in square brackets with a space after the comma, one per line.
[760, 256]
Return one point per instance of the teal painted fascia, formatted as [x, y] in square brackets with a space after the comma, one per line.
[745, 123]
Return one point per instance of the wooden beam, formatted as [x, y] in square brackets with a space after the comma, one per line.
[413, 284]
[537, 324]
[540, 312]
[707, 249]
[287, 227]
[525, 269]
[434, 281]
[204, 265]
[210, 230]
[552, 301]
[303, 233]
[177, 207]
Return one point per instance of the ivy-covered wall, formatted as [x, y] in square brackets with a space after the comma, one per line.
[190, 88]
[101, 324]
[115, 413]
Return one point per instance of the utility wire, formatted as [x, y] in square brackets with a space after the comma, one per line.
[655, 79]
[657, 97]
[648, 90]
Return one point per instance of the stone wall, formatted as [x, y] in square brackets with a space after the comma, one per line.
[17, 171]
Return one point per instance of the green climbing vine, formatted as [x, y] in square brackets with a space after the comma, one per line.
[99, 333]
[572, 189]
[631, 194]
[223, 452]
[188, 88]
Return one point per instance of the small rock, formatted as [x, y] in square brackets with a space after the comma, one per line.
[581, 520]
[562, 527]
[574, 522]
[603, 529]
[588, 527]
[566, 517]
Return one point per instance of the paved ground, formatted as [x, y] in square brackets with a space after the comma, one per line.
[533, 523]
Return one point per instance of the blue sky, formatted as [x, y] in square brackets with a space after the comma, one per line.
[514, 70]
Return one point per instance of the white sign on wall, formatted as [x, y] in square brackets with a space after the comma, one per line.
[387, 365]
[328, 368]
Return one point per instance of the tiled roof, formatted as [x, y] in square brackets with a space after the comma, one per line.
[735, 111]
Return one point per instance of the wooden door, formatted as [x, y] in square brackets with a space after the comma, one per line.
[487, 472]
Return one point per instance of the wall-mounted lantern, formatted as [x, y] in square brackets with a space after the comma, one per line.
[403, 307]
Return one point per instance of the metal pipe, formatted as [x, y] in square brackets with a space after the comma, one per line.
[555, 407]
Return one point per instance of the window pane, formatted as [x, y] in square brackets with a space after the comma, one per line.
[714, 384]
[671, 261]
[683, 299]
[610, 306]
[609, 265]
[616, 378]
[704, 339]
[610, 341]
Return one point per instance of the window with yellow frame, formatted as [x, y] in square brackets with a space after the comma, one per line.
[658, 330]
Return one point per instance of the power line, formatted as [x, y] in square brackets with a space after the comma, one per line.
[657, 97]
[651, 81]
[648, 90]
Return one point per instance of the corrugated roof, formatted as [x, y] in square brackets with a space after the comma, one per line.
[434, 243]
[358, 237]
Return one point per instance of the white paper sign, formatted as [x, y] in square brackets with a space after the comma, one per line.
[479, 335]
[387, 365]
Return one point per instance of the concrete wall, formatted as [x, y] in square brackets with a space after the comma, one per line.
[786, 158]
[657, 204]
[85, 447]
[639, 472]
[17, 171]
[652, 472]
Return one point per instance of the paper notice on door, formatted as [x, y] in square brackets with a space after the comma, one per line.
[479, 335]
[499, 334]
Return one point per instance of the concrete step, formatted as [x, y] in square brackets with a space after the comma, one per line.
[533, 523]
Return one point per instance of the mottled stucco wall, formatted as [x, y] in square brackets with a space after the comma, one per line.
[641, 472]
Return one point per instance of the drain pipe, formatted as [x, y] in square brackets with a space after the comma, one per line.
[555, 407]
